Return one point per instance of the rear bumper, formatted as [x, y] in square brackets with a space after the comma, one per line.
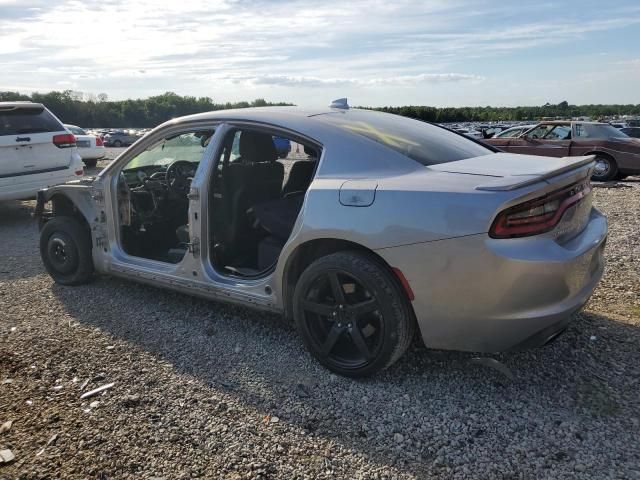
[92, 153]
[487, 295]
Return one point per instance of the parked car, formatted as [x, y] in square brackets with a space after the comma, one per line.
[513, 132]
[633, 132]
[283, 146]
[389, 225]
[469, 132]
[619, 125]
[35, 150]
[616, 154]
[119, 138]
[90, 147]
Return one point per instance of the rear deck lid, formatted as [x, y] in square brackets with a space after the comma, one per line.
[511, 171]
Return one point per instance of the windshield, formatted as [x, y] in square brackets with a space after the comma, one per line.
[187, 146]
[425, 143]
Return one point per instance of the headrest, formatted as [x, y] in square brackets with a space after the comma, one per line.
[257, 147]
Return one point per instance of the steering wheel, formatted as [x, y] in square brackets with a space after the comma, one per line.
[177, 177]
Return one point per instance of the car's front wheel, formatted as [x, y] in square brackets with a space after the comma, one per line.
[352, 313]
[606, 169]
[65, 248]
[117, 143]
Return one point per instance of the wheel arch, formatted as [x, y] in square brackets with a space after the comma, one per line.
[309, 251]
[601, 153]
[63, 203]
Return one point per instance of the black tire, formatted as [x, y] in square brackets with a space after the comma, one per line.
[117, 143]
[65, 248]
[375, 324]
[606, 169]
[621, 176]
[90, 163]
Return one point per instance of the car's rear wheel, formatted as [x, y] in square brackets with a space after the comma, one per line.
[65, 248]
[606, 169]
[352, 313]
[90, 163]
[117, 143]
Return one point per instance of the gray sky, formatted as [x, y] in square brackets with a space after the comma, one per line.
[443, 53]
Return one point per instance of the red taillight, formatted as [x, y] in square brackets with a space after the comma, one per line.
[99, 142]
[539, 215]
[79, 173]
[404, 282]
[64, 141]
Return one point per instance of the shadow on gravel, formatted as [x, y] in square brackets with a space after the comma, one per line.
[19, 254]
[428, 401]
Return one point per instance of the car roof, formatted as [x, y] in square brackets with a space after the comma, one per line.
[297, 119]
[20, 104]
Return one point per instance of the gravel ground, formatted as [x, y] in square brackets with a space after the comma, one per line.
[207, 390]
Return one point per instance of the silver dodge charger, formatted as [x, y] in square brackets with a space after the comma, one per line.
[372, 227]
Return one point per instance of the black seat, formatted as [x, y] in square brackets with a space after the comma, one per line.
[253, 178]
[299, 177]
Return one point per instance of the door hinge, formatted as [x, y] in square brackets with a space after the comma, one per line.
[101, 237]
[194, 194]
[194, 246]
[97, 195]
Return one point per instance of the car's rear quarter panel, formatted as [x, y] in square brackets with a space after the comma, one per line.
[480, 294]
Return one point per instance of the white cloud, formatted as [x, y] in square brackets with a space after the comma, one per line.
[301, 81]
[233, 49]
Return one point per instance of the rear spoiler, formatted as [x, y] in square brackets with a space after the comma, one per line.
[515, 182]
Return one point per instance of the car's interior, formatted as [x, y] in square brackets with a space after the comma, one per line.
[255, 199]
[152, 196]
[256, 193]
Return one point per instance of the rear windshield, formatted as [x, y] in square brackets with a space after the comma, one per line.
[598, 130]
[601, 130]
[27, 120]
[420, 141]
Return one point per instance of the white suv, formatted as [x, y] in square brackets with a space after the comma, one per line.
[36, 151]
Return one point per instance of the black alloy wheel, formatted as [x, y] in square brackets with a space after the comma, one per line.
[352, 314]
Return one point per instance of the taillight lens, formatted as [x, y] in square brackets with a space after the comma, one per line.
[99, 142]
[539, 215]
[66, 140]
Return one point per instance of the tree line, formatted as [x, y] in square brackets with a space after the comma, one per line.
[98, 111]
[497, 114]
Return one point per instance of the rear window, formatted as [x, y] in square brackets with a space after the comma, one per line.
[425, 143]
[601, 130]
[19, 121]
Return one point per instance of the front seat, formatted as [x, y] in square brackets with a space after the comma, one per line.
[253, 178]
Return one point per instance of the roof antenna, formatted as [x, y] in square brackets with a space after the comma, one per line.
[340, 103]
